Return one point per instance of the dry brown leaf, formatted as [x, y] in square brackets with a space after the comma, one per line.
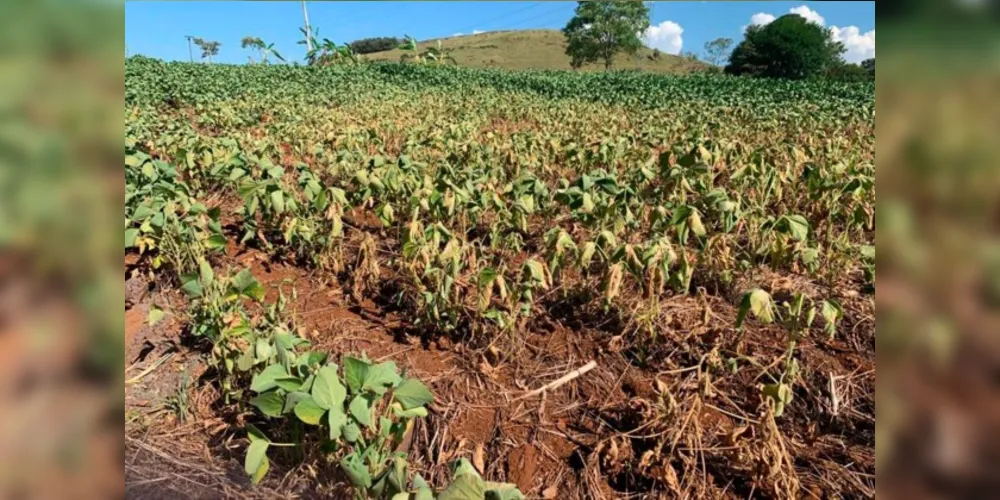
[670, 478]
[647, 460]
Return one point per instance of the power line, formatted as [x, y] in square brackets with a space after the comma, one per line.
[536, 18]
[493, 21]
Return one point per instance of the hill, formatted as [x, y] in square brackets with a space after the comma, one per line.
[536, 49]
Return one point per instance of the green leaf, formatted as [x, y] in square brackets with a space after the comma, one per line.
[131, 235]
[292, 399]
[694, 222]
[781, 394]
[205, 269]
[795, 225]
[467, 485]
[327, 390]
[832, 313]
[418, 412]
[268, 379]
[759, 303]
[245, 284]
[290, 383]
[587, 254]
[537, 272]
[356, 471]
[270, 404]
[336, 418]
[381, 377]
[192, 288]
[236, 174]
[352, 432]
[155, 315]
[278, 202]
[355, 373]
[309, 412]
[502, 491]
[215, 242]
[361, 410]
[256, 458]
[412, 394]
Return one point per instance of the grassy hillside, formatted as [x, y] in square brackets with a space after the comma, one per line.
[536, 49]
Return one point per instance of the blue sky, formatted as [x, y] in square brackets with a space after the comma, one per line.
[157, 29]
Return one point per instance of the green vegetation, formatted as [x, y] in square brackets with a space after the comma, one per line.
[538, 50]
[263, 49]
[370, 45]
[789, 47]
[600, 30]
[487, 200]
[717, 51]
[209, 48]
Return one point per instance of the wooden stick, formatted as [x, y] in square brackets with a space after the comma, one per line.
[565, 379]
[156, 364]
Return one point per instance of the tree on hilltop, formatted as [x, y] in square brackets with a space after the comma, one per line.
[600, 30]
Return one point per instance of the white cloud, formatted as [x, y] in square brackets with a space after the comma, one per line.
[666, 36]
[476, 32]
[860, 46]
[761, 18]
[457, 34]
[810, 15]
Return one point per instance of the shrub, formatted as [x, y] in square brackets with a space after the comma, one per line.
[370, 45]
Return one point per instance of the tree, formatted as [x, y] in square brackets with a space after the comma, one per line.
[600, 30]
[717, 51]
[371, 45]
[869, 65]
[789, 47]
[208, 48]
[263, 49]
[844, 72]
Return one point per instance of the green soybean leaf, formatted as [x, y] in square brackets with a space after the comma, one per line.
[327, 390]
[412, 394]
[832, 312]
[502, 491]
[361, 410]
[356, 471]
[256, 459]
[216, 242]
[351, 432]
[355, 373]
[336, 418]
[292, 399]
[797, 226]
[268, 379]
[381, 377]
[290, 383]
[205, 270]
[270, 404]
[131, 235]
[759, 303]
[192, 288]
[467, 485]
[309, 412]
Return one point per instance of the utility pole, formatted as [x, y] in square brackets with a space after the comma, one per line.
[305, 14]
[190, 51]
